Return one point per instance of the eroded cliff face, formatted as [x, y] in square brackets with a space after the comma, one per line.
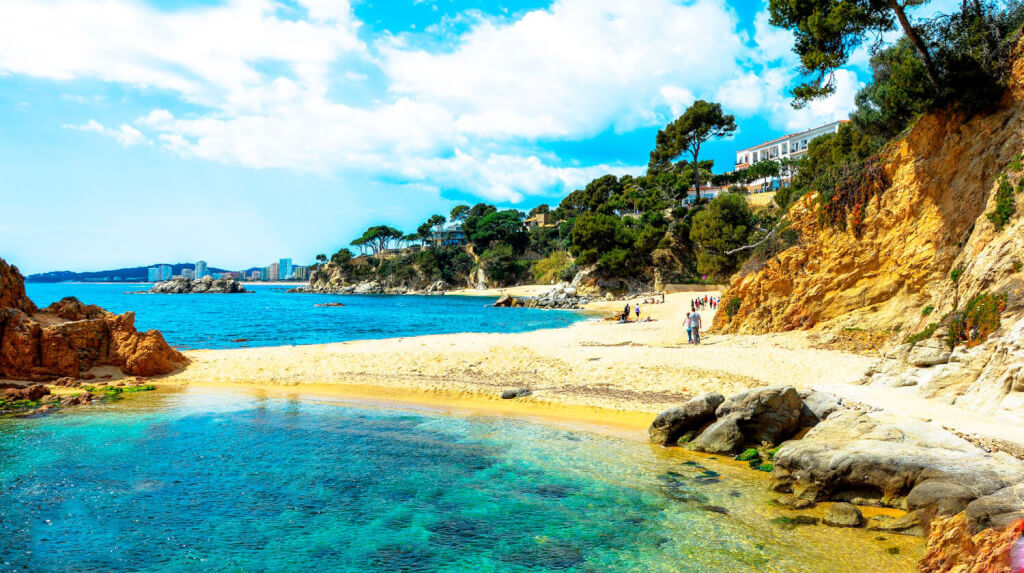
[68, 338]
[927, 246]
[932, 217]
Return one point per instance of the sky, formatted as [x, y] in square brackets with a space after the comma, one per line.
[242, 131]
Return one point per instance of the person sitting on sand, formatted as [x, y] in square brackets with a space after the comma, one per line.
[695, 325]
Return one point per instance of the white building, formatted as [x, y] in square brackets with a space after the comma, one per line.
[790, 146]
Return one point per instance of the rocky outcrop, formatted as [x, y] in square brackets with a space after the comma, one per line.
[676, 423]
[762, 415]
[561, 296]
[12, 289]
[952, 547]
[205, 285]
[885, 459]
[68, 338]
[710, 423]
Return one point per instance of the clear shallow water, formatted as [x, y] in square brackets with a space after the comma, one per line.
[271, 317]
[236, 482]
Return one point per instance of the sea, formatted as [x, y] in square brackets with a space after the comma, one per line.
[271, 316]
[201, 479]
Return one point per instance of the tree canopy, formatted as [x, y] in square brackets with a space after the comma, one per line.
[700, 123]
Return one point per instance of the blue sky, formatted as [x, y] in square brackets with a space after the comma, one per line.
[242, 131]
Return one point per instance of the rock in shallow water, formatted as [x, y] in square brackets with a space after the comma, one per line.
[843, 515]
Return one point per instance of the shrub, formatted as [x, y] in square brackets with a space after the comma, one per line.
[978, 319]
[1005, 204]
[955, 274]
[923, 335]
[733, 307]
[552, 268]
[927, 310]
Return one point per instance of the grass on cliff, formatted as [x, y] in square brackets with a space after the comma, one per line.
[1005, 204]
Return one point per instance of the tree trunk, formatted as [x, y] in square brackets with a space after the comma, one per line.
[696, 172]
[918, 43]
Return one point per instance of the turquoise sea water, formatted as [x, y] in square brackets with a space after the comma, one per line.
[272, 317]
[201, 481]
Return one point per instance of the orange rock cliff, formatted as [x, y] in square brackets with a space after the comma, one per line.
[69, 338]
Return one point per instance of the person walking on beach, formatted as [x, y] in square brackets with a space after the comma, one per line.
[695, 325]
[625, 313]
[638, 312]
[689, 329]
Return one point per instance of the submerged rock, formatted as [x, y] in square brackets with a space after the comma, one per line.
[843, 515]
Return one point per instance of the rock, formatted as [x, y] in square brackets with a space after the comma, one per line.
[368, 287]
[881, 457]
[912, 523]
[12, 289]
[794, 502]
[816, 407]
[929, 353]
[721, 437]
[998, 509]
[715, 509]
[673, 423]
[325, 305]
[207, 285]
[843, 515]
[946, 497]
[517, 393]
[764, 414]
[32, 393]
[504, 301]
[952, 547]
[70, 338]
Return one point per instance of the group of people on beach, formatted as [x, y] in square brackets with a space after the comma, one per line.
[704, 303]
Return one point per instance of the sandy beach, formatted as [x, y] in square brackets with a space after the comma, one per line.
[637, 367]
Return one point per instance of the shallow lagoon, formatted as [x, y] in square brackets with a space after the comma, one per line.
[225, 481]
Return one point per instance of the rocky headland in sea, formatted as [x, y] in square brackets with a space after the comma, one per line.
[205, 285]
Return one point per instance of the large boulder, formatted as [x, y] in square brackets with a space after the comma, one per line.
[929, 352]
[672, 424]
[816, 407]
[762, 415]
[722, 437]
[880, 458]
[998, 509]
[947, 497]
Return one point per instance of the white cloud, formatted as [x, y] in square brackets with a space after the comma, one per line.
[466, 116]
[125, 135]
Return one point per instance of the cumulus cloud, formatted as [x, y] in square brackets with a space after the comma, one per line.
[465, 116]
[125, 135]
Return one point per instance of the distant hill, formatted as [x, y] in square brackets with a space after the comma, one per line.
[130, 274]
